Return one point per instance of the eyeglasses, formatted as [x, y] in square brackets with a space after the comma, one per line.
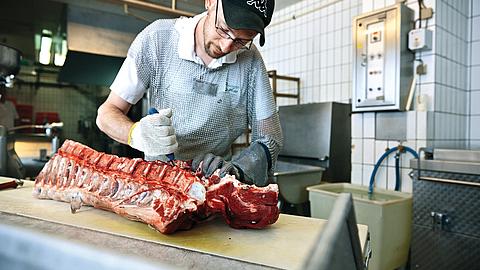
[238, 43]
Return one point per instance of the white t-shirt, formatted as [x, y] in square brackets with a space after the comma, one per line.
[8, 114]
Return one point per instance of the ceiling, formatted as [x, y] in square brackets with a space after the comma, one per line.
[22, 19]
[18, 24]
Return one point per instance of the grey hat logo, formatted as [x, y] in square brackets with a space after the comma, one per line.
[261, 5]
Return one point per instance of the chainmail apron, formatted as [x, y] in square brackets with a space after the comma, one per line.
[211, 107]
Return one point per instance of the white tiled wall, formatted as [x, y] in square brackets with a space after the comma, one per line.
[315, 46]
[363, 125]
[451, 74]
[474, 72]
[446, 111]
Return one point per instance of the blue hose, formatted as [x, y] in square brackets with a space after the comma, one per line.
[397, 167]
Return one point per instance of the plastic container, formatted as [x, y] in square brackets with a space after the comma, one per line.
[388, 215]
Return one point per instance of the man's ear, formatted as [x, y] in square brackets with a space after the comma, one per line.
[209, 4]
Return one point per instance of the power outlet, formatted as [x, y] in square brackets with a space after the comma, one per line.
[420, 39]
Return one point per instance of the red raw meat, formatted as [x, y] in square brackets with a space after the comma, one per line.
[166, 197]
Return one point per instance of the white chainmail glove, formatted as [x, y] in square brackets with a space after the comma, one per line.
[154, 134]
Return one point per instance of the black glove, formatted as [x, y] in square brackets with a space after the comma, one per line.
[251, 166]
[254, 163]
[211, 163]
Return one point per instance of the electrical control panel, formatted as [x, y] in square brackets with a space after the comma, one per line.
[383, 65]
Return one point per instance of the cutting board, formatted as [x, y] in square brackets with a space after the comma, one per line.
[284, 244]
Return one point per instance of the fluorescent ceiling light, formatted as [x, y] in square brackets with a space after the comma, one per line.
[45, 48]
[60, 53]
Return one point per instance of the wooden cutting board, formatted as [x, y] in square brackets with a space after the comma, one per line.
[284, 244]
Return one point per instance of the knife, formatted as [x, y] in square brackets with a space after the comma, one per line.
[171, 156]
[11, 184]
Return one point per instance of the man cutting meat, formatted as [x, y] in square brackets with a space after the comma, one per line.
[209, 84]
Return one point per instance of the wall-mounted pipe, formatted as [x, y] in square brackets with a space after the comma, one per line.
[154, 7]
[127, 12]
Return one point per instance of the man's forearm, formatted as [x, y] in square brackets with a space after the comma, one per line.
[114, 123]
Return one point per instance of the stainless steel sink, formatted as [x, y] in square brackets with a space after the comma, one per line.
[293, 180]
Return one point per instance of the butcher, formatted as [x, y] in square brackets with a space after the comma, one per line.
[208, 83]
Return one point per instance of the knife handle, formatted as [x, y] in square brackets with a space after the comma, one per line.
[10, 184]
[152, 111]
[171, 157]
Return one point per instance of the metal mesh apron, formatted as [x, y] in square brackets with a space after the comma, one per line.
[211, 107]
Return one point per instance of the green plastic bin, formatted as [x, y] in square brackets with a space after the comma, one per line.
[388, 216]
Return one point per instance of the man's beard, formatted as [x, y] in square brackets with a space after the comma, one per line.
[209, 46]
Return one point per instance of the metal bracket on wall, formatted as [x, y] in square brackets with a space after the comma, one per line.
[272, 74]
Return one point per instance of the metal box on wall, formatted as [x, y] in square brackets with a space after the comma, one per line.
[383, 65]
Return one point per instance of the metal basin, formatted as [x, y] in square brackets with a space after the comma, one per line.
[293, 180]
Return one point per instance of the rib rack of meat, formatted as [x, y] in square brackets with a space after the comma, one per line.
[166, 197]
